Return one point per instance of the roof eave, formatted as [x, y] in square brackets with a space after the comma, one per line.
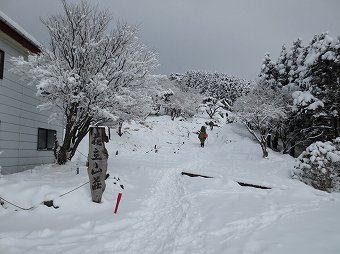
[19, 37]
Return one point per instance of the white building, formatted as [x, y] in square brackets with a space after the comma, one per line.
[26, 137]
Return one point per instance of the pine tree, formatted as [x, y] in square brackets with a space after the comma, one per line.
[293, 57]
[323, 75]
[269, 73]
[282, 67]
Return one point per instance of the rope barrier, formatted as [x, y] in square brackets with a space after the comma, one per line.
[82, 154]
[35, 206]
[22, 208]
[74, 189]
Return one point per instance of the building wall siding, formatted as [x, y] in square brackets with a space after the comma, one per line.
[20, 118]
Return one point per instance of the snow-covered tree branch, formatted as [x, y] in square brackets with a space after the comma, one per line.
[212, 106]
[258, 111]
[89, 73]
[172, 98]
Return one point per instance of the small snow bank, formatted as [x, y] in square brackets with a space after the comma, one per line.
[319, 166]
[29, 189]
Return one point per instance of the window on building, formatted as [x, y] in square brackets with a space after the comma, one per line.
[2, 63]
[46, 139]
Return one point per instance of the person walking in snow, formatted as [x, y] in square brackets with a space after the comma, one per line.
[202, 135]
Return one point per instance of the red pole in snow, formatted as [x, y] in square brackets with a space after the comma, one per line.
[118, 200]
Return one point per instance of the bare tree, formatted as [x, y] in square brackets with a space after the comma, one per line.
[88, 72]
[259, 111]
[212, 106]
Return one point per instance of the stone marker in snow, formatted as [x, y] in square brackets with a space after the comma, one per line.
[97, 166]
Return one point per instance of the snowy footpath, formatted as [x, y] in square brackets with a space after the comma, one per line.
[163, 211]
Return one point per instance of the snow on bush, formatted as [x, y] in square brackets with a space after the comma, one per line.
[319, 166]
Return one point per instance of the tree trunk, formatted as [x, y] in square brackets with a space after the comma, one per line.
[120, 126]
[264, 149]
[269, 140]
[173, 114]
[74, 134]
[292, 150]
[262, 140]
[336, 126]
[275, 142]
[97, 166]
[66, 150]
[62, 155]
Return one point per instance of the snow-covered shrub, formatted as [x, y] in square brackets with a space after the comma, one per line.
[319, 166]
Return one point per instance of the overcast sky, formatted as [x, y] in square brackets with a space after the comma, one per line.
[229, 36]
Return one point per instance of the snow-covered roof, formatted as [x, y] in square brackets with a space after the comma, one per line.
[19, 30]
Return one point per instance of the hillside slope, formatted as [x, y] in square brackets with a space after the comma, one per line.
[163, 211]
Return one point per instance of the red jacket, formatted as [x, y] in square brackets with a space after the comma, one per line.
[205, 135]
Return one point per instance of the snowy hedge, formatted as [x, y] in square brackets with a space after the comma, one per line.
[319, 166]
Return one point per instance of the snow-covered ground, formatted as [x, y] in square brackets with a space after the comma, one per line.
[162, 211]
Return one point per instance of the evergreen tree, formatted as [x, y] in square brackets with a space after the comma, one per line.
[322, 76]
[269, 73]
[282, 67]
[293, 64]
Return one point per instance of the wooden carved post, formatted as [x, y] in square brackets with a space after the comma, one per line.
[97, 166]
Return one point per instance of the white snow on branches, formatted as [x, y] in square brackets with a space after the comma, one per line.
[306, 99]
[86, 67]
[318, 165]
